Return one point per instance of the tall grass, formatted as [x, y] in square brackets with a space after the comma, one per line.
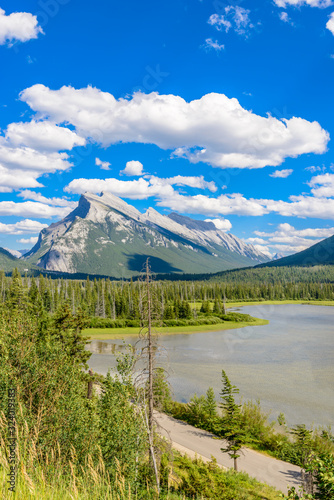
[48, 477]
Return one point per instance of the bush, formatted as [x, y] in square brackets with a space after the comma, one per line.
[195, 479]
[256, 422]
[208, 320]
[50, 387]
[236, 317]
[96, 322]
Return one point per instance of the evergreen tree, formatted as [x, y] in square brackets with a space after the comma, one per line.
[67, 329]
[16, 298]
[205, 307]
[161, 390]
[210, 405]
[185, 310]
[217, 308]
[231, 424]
[168, 312]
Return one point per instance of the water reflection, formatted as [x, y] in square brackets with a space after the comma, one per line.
[103, 347]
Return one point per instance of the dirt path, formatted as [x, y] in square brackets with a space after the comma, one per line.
[189, 440]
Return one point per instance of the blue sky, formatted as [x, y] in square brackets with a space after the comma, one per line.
[217, 110]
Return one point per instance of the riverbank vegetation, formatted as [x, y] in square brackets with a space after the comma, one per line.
[117, 333]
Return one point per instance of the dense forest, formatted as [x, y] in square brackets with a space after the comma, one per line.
[121, 300]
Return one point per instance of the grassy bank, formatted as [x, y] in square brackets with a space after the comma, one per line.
[229, 305]
[113, 333]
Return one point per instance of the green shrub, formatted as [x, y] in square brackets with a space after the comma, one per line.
[198, 480]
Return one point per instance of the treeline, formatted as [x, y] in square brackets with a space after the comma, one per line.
[275, 275]
[186, 300]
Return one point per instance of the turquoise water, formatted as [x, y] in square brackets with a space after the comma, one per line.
[288, 365]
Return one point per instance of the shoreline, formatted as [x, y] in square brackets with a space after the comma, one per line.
[280, 302]
[116, 333]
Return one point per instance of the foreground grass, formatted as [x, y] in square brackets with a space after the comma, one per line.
[116, 333]
[187, 479]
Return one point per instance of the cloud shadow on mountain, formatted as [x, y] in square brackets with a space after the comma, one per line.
[136, 262]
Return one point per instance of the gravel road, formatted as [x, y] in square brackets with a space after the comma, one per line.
[190, 440]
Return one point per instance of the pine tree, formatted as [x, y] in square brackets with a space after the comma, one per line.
[231, 424]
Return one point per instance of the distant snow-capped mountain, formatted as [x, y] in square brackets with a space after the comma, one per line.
[106, 235]
[17, 253]
[278, 256]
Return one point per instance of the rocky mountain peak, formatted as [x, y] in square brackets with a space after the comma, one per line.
[200, 225]
[106, 235]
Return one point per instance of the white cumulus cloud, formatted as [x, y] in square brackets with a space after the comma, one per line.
[322, 4]
[330, 23]
[21, 227]
[255, 241]
[139, 189]
[286, 230]
[32, 209]
[282, 173]
[314, 169]
[43, 136]
[222, 205]
[54, 202]
[20, 168]
[30, 150]
[28, 241]
[213, 129]
[26, 158]
[322, 185]
[181, 180]
[288, 239]
[104, 165]
[301, 206]
[222, 224]
[18, 26]
[220, 22]
[133, 168]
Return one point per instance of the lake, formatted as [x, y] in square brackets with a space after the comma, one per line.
[287, 365]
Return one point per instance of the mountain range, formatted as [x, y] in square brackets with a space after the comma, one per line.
[105, 235]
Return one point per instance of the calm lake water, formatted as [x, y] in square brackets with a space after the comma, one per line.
[288, 365]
